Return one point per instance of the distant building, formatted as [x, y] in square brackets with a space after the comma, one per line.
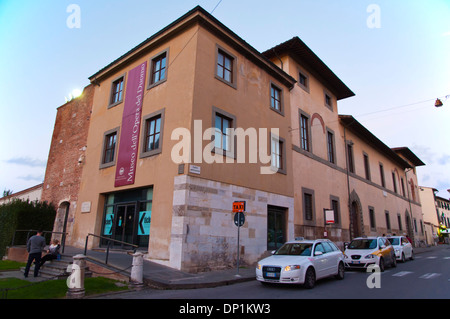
[136, 163]
[436, 213]
[32, 194]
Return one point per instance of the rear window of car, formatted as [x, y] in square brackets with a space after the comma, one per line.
[295, 249]
[365, 243]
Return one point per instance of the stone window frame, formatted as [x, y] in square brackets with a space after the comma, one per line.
[150, 83]
[143, 153]
[102, 155]
[276, 87]
[111, 104]
[225, 52]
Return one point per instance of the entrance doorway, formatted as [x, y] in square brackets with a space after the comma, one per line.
[355, 221]
[124, 228]
[127, 217]
[276, 227]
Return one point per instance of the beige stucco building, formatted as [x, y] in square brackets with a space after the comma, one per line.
[214, 121]
[436, 215]
[31, 194]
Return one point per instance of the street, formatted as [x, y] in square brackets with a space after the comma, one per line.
[425, 277]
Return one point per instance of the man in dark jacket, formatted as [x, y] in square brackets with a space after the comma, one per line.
[35, 245]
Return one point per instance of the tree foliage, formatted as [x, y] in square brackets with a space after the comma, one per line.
[23, 215]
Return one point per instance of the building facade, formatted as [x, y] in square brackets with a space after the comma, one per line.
[31, 194]
[193, 119]
[436, 212]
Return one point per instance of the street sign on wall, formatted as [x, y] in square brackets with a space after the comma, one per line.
[239, 207]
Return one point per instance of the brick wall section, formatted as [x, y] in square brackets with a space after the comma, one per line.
[63, 173]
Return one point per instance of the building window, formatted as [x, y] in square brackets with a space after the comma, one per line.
[399, 220]
[222, 139]
[109, 148]
[304, 132]
[328, 100]
[308, 206]
[152, 134]
[372, 218]
[383, 182]
[225, 67]
[394, 182]
[330, 147]
[367, 166]
[351, 165]
[278, 154]
[276, 227]
[303, 80]
[276, 98]
[158, 70]
[403, 186]
[223, 135]
[388, 221]
[335, 208]
[116, 96]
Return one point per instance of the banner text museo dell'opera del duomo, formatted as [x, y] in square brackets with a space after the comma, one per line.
[131, 122]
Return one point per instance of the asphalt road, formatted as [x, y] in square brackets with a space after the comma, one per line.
[426, 277]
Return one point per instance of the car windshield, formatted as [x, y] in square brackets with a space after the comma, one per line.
[363, 244]
[296, 249]
[394, 241]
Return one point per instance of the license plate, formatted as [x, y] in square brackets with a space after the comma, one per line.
[356, 262]
[271, 274]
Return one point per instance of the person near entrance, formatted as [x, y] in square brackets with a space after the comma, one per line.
[53, 252]
[35, 245]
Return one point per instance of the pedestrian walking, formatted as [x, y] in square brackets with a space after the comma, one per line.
[35, 245]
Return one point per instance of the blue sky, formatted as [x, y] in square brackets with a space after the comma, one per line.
[396, 70]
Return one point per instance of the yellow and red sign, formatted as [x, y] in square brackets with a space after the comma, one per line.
[239, 207]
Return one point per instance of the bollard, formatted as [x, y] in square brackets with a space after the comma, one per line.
[137, 272]
[75, 282]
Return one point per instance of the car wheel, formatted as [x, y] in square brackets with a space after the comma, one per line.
[403, 258]
[310, 278]
[341, 271]
[381, 264]
[394, 262]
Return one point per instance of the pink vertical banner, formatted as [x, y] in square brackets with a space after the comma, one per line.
[131, 124]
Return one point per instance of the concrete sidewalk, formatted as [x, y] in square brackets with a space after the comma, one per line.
[163, 277]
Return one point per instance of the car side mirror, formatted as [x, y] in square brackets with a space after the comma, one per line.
[382, 246]
[318, 253]
[273, 252]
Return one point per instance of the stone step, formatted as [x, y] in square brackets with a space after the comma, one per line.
[55, 269]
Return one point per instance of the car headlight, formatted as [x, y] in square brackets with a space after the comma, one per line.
[369, 256]
[291, 267]
[258, 266]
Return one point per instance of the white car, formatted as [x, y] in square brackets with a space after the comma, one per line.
[403, 248]
[363, 252]
[302, 262]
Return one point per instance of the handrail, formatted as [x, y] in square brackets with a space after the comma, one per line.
[109, 242]
[63, 237]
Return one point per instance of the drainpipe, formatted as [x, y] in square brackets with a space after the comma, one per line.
[410, 207]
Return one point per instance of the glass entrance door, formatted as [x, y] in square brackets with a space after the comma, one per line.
[276, 227]
[125, 221]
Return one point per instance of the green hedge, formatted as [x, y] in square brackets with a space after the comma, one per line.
[21, 215]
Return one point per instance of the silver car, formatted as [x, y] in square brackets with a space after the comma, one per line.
[403, 248]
